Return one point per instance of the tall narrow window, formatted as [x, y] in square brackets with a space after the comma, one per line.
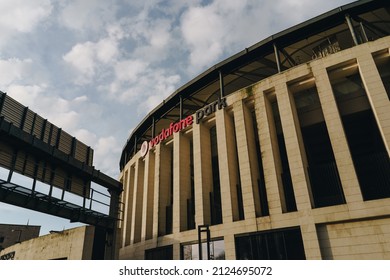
[184, 184]
[237, 202]
[215, 195]
[288, 191]
[324, 178]
[169, 207]
[191, 201]
[166, 190]
[365, 142]
[260, 181]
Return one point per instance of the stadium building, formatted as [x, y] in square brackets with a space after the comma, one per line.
[278, 152]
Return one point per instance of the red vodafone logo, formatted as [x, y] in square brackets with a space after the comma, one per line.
[173, 128]
[144, 148]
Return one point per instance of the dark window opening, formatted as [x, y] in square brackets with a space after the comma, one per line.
[260, 181]
[369, 155]
[165, 217]
[323, 174]
[169, 208]
[240, 203]
[324, 178]
[160, 253]
[191, 201]
[284, 244]
[365, 142]
[288, 190]
[215, 195]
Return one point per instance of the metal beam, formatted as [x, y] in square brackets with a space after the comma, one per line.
[19, 196]
[39, 149]
[203, 103]
[181, 107]
[221, 85]
[201, 229]
[288, 57]
[373, 27]
[363, 32]
[277, 58]
[153, 127]
[351, 29]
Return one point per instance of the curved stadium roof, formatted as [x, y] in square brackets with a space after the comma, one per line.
[338, 29]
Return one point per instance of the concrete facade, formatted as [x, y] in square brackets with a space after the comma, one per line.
[73, 244]
[12, 234]
[356, 226]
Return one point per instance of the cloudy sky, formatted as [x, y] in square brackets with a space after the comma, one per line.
[97, 67]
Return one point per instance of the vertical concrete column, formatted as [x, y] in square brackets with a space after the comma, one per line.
[123, 178]
[310, 238]
[130, 206]
[176, 251]
[336, 133]
[228, 176]
[138, 200]
[295, 154]
[230, 248]
[246, 149]
[176, 184]
[126, 205]
[270, 151]
[147, 222]
[181, 180]
[133, 204]
[377, 95]
[296, 158]
[203, 174]
[157, 164]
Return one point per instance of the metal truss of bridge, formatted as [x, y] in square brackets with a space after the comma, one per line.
[38, 150]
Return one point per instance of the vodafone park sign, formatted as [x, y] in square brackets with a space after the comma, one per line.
[182, 124]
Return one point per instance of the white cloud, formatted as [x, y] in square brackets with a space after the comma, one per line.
[80, 99]
[147, 36]
[84, 16]
[57, 110]
[224, 27]
[81, 57]
[23, 15]
[202, 29]
[26, 95]
[130, 70]
[106, 50]
[85, 136]
[209, 30]
[86, 58]
[146, 85]
[13, 70]
[163, 86]
[106, 153]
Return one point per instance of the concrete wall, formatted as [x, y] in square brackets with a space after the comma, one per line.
[360, 240]
[73, 244]
[320, 227]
